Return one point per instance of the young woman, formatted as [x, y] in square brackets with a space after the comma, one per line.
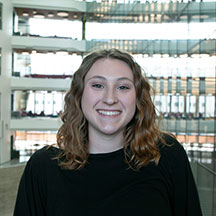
[111, 159]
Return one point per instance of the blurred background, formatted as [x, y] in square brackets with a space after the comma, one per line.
[42, 43]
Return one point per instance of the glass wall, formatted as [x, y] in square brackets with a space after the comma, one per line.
[32, 63]
[27, 142]
[32, 22]
[149, 31]
[173, 41]
[37, 103]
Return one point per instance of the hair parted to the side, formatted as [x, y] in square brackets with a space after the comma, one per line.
[141, 134]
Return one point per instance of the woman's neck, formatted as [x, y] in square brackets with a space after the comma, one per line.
[103, 143]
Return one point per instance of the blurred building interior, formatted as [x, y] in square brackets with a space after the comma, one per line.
[42, 44]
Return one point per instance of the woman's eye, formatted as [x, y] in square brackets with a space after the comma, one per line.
[123, 87]
[97, 85]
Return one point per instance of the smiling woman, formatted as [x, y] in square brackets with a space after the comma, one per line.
[108, 103]
[106, 71]
[112, 158]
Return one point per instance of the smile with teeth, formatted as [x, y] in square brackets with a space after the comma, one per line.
[109, 113]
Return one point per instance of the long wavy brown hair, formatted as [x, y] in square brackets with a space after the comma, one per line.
[141, 134]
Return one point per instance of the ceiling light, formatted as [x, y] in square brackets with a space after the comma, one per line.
[141, 18]
[62, 52]
[156, 55]
[200, 16]
[204, 55]
[50, 53]
[195, 55]
[50, 15]
[165, 55]
[25, 14]
[184, 17]
[25, 53]
[62, 14]
[39, 15]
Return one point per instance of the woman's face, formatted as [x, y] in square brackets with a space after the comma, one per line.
[109, 98]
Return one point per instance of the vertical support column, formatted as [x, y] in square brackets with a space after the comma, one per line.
[83, 27]
[6, 64]
[170, 92]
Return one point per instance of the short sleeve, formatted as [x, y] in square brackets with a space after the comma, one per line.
[184, 198]
[32, 188]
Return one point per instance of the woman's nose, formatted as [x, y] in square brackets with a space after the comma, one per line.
[110, 97]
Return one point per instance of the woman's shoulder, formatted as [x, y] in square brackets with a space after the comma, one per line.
[168, 141]
[171, 148]
[44, 156]
[174, 159]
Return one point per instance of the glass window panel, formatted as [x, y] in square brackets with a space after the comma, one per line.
[164, 103]
[48, 102]
[30, 102]
[210, 85]
[189, 84]
[27, 142]
[181, 104]
[178, 84]
[58, 102]
[202, 104]
[157, 102]
[45, 63]
[183, 85]
[184, 67]
[54, 64]
[190, 104]
[173, 85]
[165, 80]
[210, 106]
[148, 31]
[195, 86]
[154, 83]
[22, 64]
[57, 28]
[202, 85]
[161, 85]
[174, 104]
[39, 102]
[169, 84]
[169, 103]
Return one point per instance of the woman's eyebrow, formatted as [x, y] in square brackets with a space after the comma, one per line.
[97, 77]
[124, 78]
[104, 78]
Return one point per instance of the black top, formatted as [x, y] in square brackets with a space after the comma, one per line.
[107, 187]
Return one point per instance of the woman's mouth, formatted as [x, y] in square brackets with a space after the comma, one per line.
[109, 112]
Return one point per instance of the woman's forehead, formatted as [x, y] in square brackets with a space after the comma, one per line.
[109, 67]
